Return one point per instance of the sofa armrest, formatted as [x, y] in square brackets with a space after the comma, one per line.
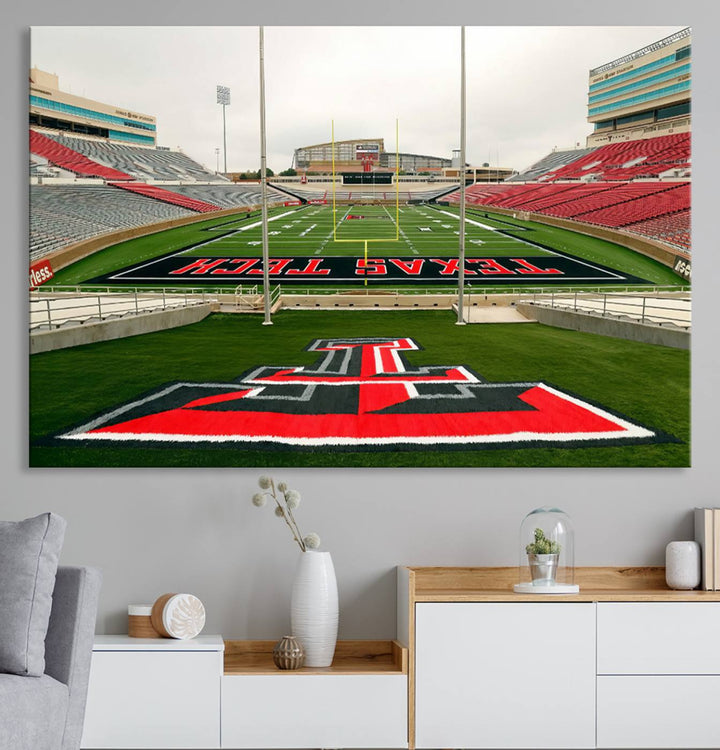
[69, 641]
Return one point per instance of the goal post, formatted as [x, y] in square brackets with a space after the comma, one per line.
[365, 179]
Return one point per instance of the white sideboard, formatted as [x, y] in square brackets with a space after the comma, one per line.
[154, 693]
[206, 693]
[626, 663]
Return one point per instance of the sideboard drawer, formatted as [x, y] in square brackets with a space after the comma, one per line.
[658, 638]
[154, 699]
[658, 711]
[300, 711]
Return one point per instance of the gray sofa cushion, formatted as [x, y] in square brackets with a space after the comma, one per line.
[32, 712]
[29, 552]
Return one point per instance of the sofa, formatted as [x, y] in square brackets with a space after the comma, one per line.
[42, 697]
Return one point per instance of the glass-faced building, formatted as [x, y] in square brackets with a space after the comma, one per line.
[643, 94]
[75, 115]
[362, 155]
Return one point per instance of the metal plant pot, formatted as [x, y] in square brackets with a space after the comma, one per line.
[543, 568]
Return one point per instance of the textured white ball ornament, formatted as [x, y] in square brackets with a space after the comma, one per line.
[682, 565]
[179, 616]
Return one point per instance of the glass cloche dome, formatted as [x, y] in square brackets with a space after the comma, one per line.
[546, 553]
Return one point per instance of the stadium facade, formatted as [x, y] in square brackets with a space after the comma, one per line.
[363, 155]
[643, 94]
[56, 110]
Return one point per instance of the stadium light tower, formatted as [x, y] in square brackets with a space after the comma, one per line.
[223, 97]
[461, 249]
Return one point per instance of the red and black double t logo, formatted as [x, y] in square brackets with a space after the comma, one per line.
[361, 393]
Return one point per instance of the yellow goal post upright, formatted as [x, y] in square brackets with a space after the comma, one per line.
[396, 238]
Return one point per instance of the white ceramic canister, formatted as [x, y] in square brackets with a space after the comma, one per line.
[682, 565]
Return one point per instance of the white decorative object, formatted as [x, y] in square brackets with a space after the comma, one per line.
[682, 565]
[179, 616]
[547, 553]
[140, 621]
[314, 607]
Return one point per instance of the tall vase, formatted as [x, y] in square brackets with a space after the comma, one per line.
[314, 607]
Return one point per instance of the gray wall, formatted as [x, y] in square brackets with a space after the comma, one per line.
[153, 531]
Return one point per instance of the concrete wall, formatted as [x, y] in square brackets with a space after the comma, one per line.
[619, 329]
[154, 531]
[107, 330]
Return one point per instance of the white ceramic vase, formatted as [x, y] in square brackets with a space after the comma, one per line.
[314, 607]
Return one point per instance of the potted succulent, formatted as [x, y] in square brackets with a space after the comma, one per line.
[543, 555]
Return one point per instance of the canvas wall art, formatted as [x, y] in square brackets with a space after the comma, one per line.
[444, 257]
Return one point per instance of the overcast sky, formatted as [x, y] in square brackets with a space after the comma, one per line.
[526, 86]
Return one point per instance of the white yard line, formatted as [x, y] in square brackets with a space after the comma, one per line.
[400, 232]
[329, 237]
[236, 231]
[469, 221]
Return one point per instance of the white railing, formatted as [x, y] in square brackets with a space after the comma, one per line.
[52, 310]
[475, 291]
[54, 306]
[644, 308]
[246, 296]
[208, 293]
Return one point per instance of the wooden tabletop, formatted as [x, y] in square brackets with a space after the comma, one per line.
[616, 584]
[351, 657]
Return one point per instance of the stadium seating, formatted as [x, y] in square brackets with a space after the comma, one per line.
[64, 214]
[616, 185]
[584, 199]
[651, 208]
[167, 196]
[629, 159]
[68, 159]
[230, 196]
[673, 229]
[641, 208]
[141, 163]
[558, 195]
[480, 194]
[549, 163]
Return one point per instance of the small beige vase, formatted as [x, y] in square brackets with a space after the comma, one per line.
[288, 653]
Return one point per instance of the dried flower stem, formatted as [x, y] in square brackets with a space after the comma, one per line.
[288, 516]
[293, 525]
[285, 501]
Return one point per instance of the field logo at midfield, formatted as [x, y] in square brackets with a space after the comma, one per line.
[361, 393]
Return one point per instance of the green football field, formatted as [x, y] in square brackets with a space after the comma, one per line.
[318, 230]
[646, 384]
[417, 231]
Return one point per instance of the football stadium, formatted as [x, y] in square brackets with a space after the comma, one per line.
[368, 306]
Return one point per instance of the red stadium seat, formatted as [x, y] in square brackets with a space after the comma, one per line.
[152, 191]
[68, 159]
